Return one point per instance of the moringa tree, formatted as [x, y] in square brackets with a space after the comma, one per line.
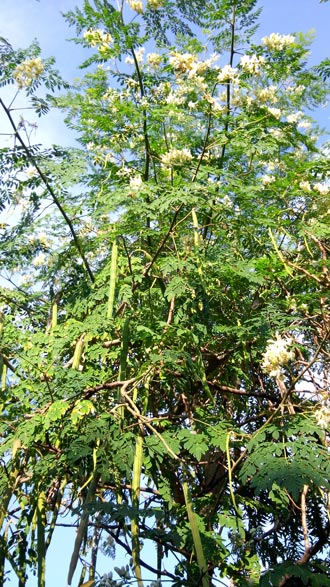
[164, 303]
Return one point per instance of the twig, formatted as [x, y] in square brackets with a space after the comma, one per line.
[49, 188]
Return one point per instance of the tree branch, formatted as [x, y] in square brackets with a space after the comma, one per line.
[50, 190]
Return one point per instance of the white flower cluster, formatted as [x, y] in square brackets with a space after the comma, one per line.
[293, 118]
[182, 62]
[305, 186]
[136, 5]
[155, 4]
[296, 90]
[176, 157]
[175, 98]
[99, 39]
[228, 74]
[268, 94]
[139, 53]
[41, 238]
[40, 260]
[305, 124]
[154, 60]
[323, 416]
[252, 63]
[28, 71]
[276, 112]
[135, 184]
[278, 42]
[321, 188]
[31, 171]
[267, 179]
[276, 355]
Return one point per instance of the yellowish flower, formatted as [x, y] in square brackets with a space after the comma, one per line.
[305, 186]
[276, 112]
[252, 63]
[267, 179]
[135, 183]
[176, 157]
[321, 188]
[136, 5]
[98, 38]
[277, 42]
[182, 62]
[277, 355]
[40, 260]
[293, 118]
[154, 60]
[227, 74]
[155, 4]
[323, 416]
[31, 171]
[268, 94]
[28, 71]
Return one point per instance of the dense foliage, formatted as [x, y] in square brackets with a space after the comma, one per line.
[165, 303]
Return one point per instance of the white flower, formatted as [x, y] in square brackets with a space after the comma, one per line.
[304, 124]
[40, 260]
[323, 416]
[31, 171]
[43, 239]
[139, 53]
[138, 56]
[98, 38]
[305, 186]
[228, 73]
[252, 63]
[136, 5]
[276, 133]
[201, 66]
[214, 102]
[28, 71]
[276, 355]
[293, 118]
[227, 202]
[321, 188]
[182, 62]
[268, 94]
[154, 60]
[155, 4]
[267, 179]
[176, 157]
[175, 99]
[135, 183]
[297, 90]
[276, 112]
[277, 42]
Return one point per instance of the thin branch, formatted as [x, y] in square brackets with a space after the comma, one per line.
[50, 190]
[129, 551]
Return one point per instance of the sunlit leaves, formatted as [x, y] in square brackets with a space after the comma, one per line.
[188, 230]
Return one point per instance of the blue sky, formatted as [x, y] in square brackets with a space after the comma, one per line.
[23, 20]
